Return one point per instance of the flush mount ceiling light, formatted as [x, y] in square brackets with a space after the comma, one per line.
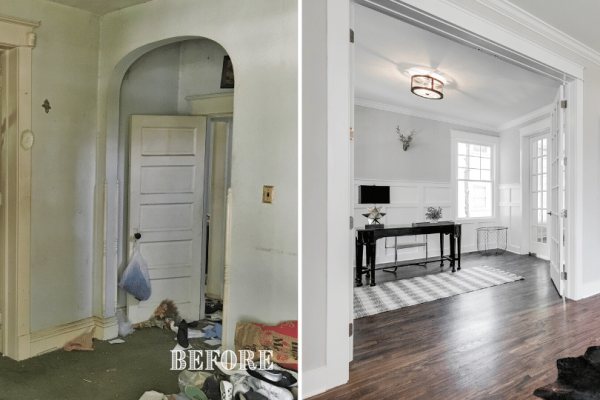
[429, 86]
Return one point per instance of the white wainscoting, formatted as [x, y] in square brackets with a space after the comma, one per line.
[510, 215]
[408, 204]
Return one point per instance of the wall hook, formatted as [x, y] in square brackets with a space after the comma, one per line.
[46, 106]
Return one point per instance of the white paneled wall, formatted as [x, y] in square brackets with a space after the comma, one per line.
[408, 204]
[510, 213]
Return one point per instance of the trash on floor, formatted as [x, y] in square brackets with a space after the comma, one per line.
[152, 395]
[216, 316]
[163, 315]
[83, 342]
[125, 327]
[213, 342]
[192, 378]
[116, 341]
[215, 331]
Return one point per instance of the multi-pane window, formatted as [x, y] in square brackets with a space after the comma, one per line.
[539, 188]
[475, 181]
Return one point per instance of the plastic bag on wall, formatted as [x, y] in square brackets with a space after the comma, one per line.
[136, 279]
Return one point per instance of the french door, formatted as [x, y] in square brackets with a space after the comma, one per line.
[538, 184]
[557, 192]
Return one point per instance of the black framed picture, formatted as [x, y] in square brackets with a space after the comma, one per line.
[227, 79]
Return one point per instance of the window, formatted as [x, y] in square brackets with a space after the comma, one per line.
[474, 180]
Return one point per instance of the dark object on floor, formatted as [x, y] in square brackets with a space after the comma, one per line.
[210, 306]
[578, 378]
[182, 334]
[212, 387]
[274, 377]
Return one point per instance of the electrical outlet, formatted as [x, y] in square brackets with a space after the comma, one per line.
[268, 192]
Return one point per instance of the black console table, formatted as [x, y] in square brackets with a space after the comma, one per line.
[368, 238]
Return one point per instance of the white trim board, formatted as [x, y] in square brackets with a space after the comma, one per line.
[527, 117]
[421, 114]
[532, 22]
[436, 117]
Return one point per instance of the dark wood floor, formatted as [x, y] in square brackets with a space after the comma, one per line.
[496, 343]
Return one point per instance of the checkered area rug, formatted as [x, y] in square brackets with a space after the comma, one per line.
[393, 295]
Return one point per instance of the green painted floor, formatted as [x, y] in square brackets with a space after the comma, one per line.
[117, 371]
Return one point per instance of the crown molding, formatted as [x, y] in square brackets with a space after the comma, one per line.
[19, 21]
[435, 117]
[420, 114]
[527, 117]
[532, 22]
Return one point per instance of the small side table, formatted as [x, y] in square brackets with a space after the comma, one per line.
[491, 240]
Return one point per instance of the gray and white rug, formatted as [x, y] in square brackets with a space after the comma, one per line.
[393, 295]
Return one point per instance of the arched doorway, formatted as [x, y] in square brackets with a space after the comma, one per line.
[160, 81]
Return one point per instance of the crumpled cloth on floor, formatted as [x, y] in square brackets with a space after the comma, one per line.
[215, 332]
[83, 342]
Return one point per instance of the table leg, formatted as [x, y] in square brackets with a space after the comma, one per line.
[373, 251]
[359, 263]
[442, 249]
[453, 252]
[458, 247]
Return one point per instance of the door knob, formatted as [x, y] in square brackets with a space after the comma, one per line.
[549, 213]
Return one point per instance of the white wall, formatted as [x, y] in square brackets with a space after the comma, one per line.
[378, 152]
[65, 65]
[510, 152]
[261, 38]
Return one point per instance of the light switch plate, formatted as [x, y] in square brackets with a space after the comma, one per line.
[268, 192]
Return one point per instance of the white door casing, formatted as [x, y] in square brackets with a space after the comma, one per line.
[166, 206]
[538, 191]
[556, 191]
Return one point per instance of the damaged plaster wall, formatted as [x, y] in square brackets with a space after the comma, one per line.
[65, 71]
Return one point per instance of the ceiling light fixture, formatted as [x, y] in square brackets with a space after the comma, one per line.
[430, 86]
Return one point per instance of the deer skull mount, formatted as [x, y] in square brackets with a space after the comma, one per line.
[405, 139]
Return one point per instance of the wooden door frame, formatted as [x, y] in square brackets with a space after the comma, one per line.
[526, 133]
[16, 35]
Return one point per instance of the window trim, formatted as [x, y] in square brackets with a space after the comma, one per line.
[482, 140]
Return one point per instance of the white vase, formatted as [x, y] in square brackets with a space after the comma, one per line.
[435, 221]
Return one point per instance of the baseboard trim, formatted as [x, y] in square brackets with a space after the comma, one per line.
[56, 337]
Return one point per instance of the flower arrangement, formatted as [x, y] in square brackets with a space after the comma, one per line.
[433, 213]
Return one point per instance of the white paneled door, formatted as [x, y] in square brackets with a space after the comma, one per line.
[166, 206]
[557, 195]
[538, 184]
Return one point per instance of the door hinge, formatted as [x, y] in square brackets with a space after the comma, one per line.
[351, 35]
[563, 104]
[563, 213]
[350, 331]
[351, 222]
[1, 199]
[351, 133]
[563, 276]
[565, 161]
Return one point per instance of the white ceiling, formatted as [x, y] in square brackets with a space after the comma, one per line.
[481, 89]
[576, 18]
[100, 7]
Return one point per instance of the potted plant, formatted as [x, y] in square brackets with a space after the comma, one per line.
[434, 214]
